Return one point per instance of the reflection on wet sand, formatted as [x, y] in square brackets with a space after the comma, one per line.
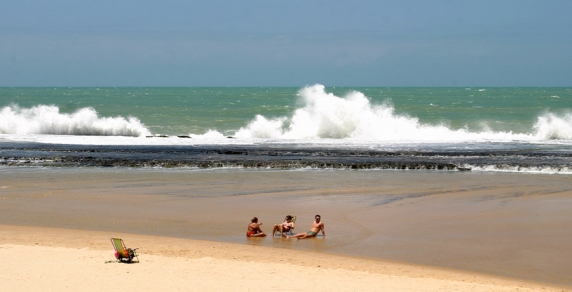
[515, 225]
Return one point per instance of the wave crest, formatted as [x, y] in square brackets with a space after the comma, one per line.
[326, 116]
[47, 119]
[552, 127]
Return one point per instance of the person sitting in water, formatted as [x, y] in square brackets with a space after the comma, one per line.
[254, 229]
[285, 226]
[316, 227]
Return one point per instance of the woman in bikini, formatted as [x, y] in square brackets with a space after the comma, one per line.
[253, 229]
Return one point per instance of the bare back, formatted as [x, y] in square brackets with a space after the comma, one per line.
[253, 227]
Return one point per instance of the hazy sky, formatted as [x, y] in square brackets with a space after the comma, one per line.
[285, 43]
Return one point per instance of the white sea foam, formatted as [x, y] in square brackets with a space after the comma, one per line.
[521, 169]
[352, 117]
[48, 120]
[321, 118]
[552, 127]
[210, 135]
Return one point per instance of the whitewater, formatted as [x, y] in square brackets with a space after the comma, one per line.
[321, 115]
[441, 128]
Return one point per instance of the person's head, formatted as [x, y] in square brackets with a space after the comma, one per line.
[318, 218]
[254, 220]
[288, 218]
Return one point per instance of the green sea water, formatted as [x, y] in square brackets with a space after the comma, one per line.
[184, 110]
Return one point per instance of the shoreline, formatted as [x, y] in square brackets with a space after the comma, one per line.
[169, 260]
[508, 225]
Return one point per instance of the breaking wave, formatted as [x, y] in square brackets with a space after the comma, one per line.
[552, 127]
[48, 120]
[326, 116]
[320, 117]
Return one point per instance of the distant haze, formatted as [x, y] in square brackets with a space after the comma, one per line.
[285, 43]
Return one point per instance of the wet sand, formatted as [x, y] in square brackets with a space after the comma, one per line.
[79, 260]
[506, 225]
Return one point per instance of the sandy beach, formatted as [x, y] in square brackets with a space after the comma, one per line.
[394, 231]
[49, 259]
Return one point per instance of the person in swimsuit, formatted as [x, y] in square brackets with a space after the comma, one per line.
[317, 226]
[286, 226]
[254, 229]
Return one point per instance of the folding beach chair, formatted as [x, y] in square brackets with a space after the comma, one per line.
[122, 253]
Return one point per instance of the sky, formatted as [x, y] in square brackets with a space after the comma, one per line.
[285, 43]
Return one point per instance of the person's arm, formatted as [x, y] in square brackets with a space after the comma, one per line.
[323, 230]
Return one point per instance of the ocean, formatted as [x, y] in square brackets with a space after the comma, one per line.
[489, 129]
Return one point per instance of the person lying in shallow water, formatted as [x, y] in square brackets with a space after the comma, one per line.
[316, 227]
[285, 226]
[253, 229]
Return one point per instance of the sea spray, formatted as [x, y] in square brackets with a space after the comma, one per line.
[47, 120]
[552, 127]
[313, 114]
[352, 117]
[450, 129]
